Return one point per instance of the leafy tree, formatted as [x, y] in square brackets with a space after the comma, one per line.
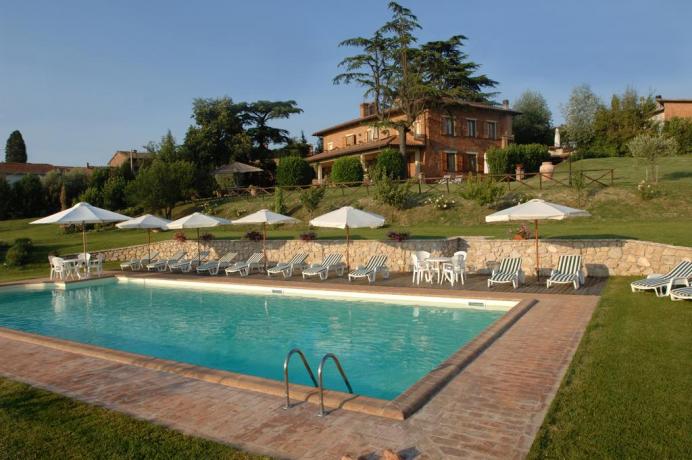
[166, 149]
[74, 183]
[53, 186]
[161, 185]
[98, 177]
[389, 163]
[532, 126]
[15, 148]
[388, 192]
[5, 199]
[258, 114]
[614, 126]
[347, 169]
[680, 129]
[293, 171]
[28, 196]
[92, 195]
[113, 193]
[649, 147]
[404, 80]
[295, 147]
[580, 112]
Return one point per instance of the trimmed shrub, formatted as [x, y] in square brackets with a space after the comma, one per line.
[293, 171]
[504, 161]
[398, 236]
[347, 169]
[279, 204]
[310, 198]
[396, 195]
[483, 192]
[308, 236]
[19, 253]
[389, 163]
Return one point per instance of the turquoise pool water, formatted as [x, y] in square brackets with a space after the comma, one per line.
[384, 348]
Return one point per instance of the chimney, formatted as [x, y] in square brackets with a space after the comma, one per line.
[364, 109]
[505, 104]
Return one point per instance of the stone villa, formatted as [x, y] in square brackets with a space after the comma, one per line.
[442, 142]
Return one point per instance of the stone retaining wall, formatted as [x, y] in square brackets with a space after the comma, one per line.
[602, 257]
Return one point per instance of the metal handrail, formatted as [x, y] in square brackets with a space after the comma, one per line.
[333, 357]
[307, 368]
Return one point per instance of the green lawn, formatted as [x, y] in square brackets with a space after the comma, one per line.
[617, 212]
[628, 391]
[39, 424]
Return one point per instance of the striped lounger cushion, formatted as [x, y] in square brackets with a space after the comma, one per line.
[660, 283]
[681, 293]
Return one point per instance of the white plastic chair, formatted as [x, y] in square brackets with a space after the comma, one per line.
[456, 270]
[420, 268]
[57, 268]
[95, 265]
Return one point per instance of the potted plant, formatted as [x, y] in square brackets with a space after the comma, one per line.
[520, 233]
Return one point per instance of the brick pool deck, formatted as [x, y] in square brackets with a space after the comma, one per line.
[492, 409]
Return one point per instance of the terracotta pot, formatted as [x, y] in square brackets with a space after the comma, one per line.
[518, 237]
[547, 169]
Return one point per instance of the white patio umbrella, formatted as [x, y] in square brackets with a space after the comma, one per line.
[347, 218]
[147, 221]
[536, 210]
[197, 220]
[265, 217]
[81, 214]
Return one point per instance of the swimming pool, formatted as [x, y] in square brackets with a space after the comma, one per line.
[384, 347]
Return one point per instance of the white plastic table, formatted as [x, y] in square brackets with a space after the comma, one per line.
[438, 262]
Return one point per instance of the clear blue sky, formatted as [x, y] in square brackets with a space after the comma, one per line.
[82, 79]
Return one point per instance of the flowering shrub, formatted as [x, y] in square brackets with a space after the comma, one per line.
[206, 237]
[648, 190]
[440, 202]
[397, 236]
[308, 236]
[180, 237]
[522, 232]
[253, 236]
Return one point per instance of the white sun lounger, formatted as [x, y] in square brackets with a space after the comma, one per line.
[684, 293]
[254, 262]
[375, 265]
[331, 262]
[663, 284]
[213, 266]
[568, 271]
[162, 264]
[185, 265]
[138, 264]
[509, 271]
[286, 269]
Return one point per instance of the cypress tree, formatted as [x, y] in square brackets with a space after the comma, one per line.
[15, 149]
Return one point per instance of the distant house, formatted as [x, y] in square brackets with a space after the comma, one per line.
[13, 172]
[445, 141]
[671, 108]
[133, 157]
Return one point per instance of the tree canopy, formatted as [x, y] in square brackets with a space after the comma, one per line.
[533, 124]
[402, 77]
[580, 113]
[15, 148]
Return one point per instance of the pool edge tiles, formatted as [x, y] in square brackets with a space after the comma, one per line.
[403, 406]
[347, 293]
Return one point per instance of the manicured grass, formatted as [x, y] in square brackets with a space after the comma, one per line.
[39, 424]
[617, 212]
[628, 391]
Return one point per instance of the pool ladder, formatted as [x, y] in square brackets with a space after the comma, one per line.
[320, 373]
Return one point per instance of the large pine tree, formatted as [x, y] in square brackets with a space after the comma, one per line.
[15, 149]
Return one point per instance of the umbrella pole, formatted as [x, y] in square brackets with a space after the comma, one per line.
[264, 243]
[198, 256]
[149, 244]
[84, 245]
[348, 252]
[538, 269]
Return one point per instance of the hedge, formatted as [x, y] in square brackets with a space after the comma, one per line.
[347, 169]
[293, 171]
[504, 161]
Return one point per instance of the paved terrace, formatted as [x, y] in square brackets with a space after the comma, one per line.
[492, 409]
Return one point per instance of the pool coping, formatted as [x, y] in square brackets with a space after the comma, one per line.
[400, 408]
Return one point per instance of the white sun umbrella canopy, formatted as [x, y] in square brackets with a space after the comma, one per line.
[535, 210]
[81, 214]
[347, 218]
[197, 220]
[265, 217]
[147, 222]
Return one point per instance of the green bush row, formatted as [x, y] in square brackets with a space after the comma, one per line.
[504, 160]
[19, 253]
